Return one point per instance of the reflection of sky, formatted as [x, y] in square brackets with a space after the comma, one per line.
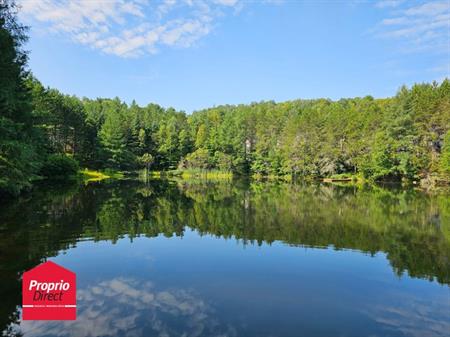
[127, 307]
[206, 286]
[414, 316]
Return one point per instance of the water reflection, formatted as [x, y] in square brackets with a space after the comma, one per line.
[129, 307]
[413, 316]
[411, 228]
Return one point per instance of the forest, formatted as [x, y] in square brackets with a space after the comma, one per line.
[46, 134]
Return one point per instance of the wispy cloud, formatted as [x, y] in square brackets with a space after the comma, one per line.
[389, 3]
[420, 27]
[127, 28]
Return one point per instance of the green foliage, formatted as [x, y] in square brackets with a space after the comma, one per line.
[146, 159]
[114, 136]
[19, 142]
[59, 166]
[404, 137]
[445, 159]
[384, 139]
[223, 161]
[198, 159]
[19, 165]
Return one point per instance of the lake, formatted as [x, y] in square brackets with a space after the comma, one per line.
[198, 258]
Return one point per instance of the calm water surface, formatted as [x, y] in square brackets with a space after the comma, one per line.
[171, 258]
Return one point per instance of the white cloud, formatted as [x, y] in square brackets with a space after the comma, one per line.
[429, 9]
[422, 27]
[127, 28]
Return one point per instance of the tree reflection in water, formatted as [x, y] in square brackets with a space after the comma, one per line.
[411, 227]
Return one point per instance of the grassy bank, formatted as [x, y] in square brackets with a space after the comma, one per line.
[92, 175]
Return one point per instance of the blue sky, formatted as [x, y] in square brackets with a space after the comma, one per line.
[192, 54]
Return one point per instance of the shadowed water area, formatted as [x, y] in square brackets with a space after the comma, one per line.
[179, 258]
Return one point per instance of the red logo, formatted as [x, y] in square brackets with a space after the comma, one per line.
[49, 293]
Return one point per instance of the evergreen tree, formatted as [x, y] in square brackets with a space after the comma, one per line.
[20, 160]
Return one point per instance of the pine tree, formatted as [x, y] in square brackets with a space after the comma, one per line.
[19, 159]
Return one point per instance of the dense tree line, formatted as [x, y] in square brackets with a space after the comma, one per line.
[401, 137]
[44, 133]
[108, 133]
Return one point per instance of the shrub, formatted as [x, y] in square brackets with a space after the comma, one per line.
[59, 166]
[198, 159]
[223, 161]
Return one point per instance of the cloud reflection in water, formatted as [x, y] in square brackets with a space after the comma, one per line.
[127, 307]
